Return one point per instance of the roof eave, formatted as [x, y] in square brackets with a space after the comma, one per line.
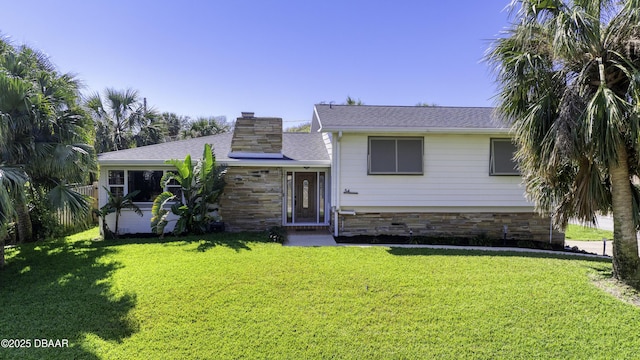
[280, 163]
[414, 130]
[132, 162]
[228, 162]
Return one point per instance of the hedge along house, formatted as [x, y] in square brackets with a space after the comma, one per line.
[273, 178]
[432, 171]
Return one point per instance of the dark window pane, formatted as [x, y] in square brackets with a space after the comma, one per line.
[148, 182]
[410, 156]
[502, 157]
[382, 154]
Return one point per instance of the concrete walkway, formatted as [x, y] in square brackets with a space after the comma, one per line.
[594, 247]
[480, 248]
[315, 238]
[309, 238]
[603, 222]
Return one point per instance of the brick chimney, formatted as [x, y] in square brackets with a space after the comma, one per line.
[256, 138]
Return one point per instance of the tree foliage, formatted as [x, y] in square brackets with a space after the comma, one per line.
[45, 137]
[570, 90]
[353, 101]
[304, 127]
[205, 126]
[201, 184]
[123, 120]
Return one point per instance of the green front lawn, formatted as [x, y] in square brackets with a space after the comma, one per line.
[585, 233]
[235, 296]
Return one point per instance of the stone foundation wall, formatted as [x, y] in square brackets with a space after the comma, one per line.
[252, 199]
[520, 226]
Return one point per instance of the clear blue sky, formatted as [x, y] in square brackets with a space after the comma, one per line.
[273, 57]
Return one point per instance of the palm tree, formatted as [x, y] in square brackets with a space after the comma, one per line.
[205, 126]
[44, 132]
[152, 127]
[16, 116]
[12, 181]
[123, 120]
[115, 204]
[570, 90]
[116, 113]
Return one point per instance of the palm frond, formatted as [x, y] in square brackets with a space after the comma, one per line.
[12, 179]
[159, 213]
[63, 198]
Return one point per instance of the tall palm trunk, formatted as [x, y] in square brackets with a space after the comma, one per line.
[626, 263]
[23, 225]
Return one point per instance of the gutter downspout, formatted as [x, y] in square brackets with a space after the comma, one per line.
[336, 172]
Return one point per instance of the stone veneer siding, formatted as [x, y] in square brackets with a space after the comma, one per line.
[252, 199]
[257, 135]
[520, 226]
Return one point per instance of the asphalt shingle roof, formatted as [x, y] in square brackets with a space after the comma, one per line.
[295, 147]
[353, 117]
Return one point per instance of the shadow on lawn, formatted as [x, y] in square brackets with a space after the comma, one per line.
[235, 241]
[58, 290]
[403, 251]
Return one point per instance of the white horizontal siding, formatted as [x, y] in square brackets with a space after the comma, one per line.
[129, 222]
[132, 223]
[456, 174]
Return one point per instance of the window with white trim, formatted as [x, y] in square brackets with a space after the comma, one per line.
[395, 155]
[502, 158]
[121, 182]
[116, 182]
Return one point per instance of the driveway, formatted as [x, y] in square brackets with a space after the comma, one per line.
[604, 222]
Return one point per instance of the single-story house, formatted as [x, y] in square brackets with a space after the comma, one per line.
[433, 171]
[362, 170]
[268, 170]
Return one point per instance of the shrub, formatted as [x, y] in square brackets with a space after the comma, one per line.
[482, 240]
[278, 234]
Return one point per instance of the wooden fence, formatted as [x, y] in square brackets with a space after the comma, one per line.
[90, 219]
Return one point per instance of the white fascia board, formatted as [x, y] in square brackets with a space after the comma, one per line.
[228, 162]
[417, 130]
[132, 162]
[277, 163]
